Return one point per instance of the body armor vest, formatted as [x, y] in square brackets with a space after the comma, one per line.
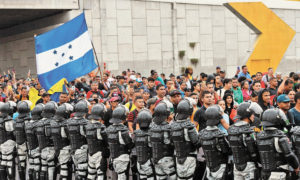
[94, 143]
[211, 148]
[4, 134]
[43, 132]
[182, 147]
[159, 148]
[143, 150]
[20, 130]
[270, 158]
[296, 140]
[32, 140]
[76, 138]
[236, 138]
[59, 142]
[115, 147]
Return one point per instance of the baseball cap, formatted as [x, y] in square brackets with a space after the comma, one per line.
[174, 92]
[283, 98]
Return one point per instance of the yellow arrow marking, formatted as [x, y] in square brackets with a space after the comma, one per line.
[274, 34]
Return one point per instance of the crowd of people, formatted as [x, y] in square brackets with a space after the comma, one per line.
[156, 127]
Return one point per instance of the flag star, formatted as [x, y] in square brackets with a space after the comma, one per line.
[71, 57]
[56, 64]
[63, 54]
[54, 52]
[70, 46]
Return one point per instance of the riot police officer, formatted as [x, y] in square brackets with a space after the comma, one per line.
[241, 138]
[7, 141]
[23, 108]
[77, 139]
[162, 147]
[295, 137]
[185, 139]
[97, 143]
[120, 143]
[142, 144]
[214, 144]
[60, 139]
[274, 148]
[32, 143]
[43, 132]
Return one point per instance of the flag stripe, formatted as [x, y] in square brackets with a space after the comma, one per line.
[70, 71]
[62, 34]
[79, 47]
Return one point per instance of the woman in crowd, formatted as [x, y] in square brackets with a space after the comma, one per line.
[229, 107]
[291, 95]
[246, 91]
[224, 125]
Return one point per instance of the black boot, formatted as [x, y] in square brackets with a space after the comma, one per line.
[22, 174]
[43, 175]
[3, 174]
[30, 174]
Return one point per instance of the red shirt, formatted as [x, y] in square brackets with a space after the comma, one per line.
[88, 95]
[132, 117]
[262, 84]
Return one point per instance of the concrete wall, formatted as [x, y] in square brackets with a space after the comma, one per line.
[145, 35]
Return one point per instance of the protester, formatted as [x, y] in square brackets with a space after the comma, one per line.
[224, 123]
[227, 86]
[267, 77]
[264, 99]
[245, 73]
[138, 92]
[238, 94]
[296, 110]
[131, 119]
[246, 90]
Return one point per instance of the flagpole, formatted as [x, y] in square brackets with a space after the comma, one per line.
[97, 60]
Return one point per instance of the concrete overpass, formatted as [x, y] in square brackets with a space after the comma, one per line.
[19, 12]
[20, 20]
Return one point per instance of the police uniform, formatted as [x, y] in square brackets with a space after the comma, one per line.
[7, 142]
[97, 143]
[274, 148]
[43, 132]
[186, 140]
[162, 147]
[77, 139]
[34, 155]
[60, 140]
[23, 109]
[241, 138]
[214, 145]
[143, 147]
[120, 143]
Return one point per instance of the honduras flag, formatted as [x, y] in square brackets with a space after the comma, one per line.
[64, 53]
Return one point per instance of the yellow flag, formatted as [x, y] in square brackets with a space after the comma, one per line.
[58, 87]
[33, 96]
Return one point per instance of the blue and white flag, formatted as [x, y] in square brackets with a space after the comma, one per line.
[65, 52]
